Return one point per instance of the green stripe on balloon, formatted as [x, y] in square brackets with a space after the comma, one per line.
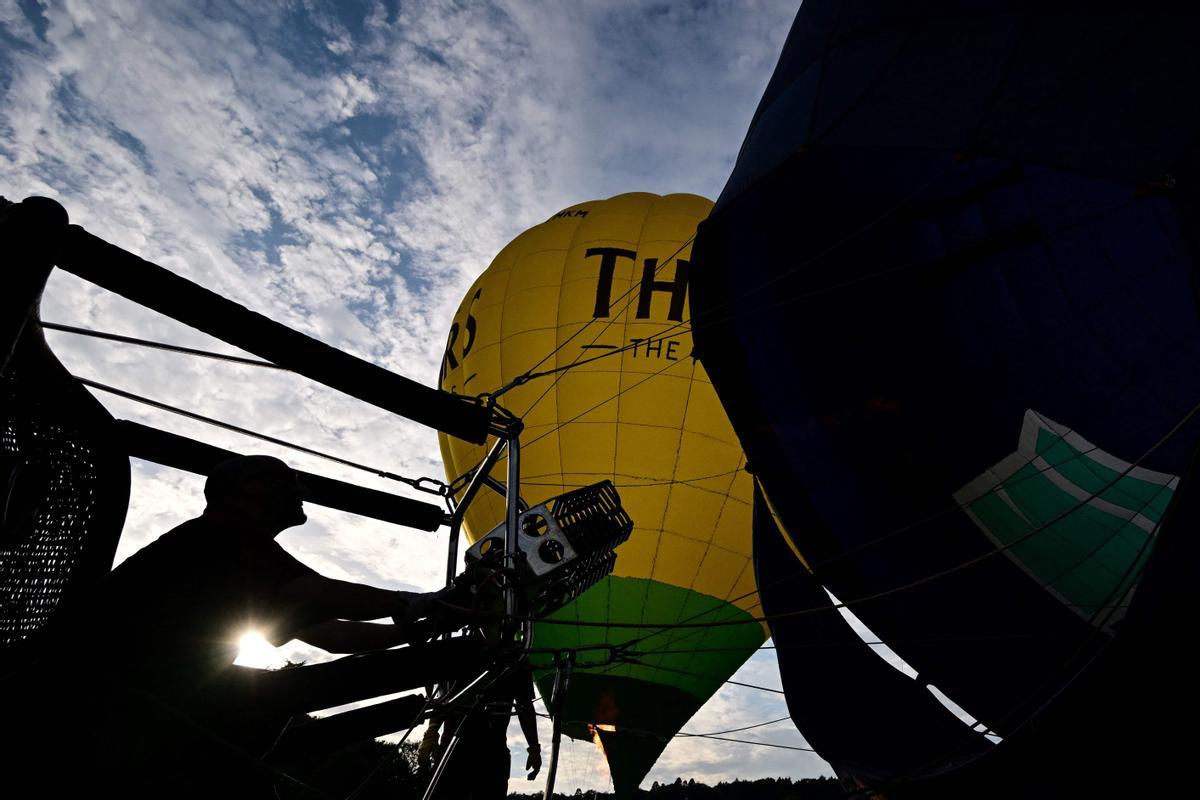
[675, 670]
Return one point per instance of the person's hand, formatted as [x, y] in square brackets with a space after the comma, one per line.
[439, 612]
[417, 632]
[534, 762]
[410, 606]
[427, 752]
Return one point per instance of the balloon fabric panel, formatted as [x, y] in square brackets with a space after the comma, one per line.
[600, 289]
[948, 300]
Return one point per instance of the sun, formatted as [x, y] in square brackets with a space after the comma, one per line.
[255, 651]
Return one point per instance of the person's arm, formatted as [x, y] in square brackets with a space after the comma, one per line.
[528, 720]
[427, 753]
[333, 599]
[340, 636]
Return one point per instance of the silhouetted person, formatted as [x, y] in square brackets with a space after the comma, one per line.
[479, 765]
[179, 606]
[170, 710]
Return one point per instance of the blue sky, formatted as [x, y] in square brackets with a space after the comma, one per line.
[348, 169]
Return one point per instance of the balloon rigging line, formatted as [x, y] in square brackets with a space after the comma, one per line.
[849, 604]
[738, 730]
[457, 483]
[1108, 605]
[532, 479]
[1124, 593]
[579, 362]
[1070, 660]
[667, 650]
[174, 348]
[606, 401]
[392, 754]
[1133, 564]
[844, 554]
[1015, 709]
[631, 661]
[460, 481]
[914, 525]
[1116, 589]
[659, 735]
[1088, 635]
[231, 748]
[613, 317]
[270, 365]
[664, 627]
[777, 302]
[462, 478]
[1074, 674]
[633, 286]
[685, 734]
[416, 483]
[803, 295]
[750, 741]
[676, 638]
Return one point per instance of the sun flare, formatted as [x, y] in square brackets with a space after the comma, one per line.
[255, 651]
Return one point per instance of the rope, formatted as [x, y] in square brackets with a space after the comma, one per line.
[645, 480]
[667, 650]
[429, 485]
[462, 479]
[751, 741]
[716, 736]
[525, 378]
[739, 730]
[231, 748]
[387, 759]
[633, 286]
[639, 663]
[907, 528]
[174, 348]
[887, 592]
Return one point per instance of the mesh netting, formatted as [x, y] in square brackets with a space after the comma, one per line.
[63, 491]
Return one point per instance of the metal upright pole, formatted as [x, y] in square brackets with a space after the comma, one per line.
[478, 480]
[28, 232]
[445, 759]
[513, 503]
[562, 683]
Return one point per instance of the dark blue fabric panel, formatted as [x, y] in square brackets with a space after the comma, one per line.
[789, 113]
[992, 211]
[936, 89]
[1091, 87]
[845, 699]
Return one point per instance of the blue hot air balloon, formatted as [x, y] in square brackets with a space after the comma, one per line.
[948, 298]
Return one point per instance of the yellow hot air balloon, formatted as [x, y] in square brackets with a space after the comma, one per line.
[600, 289]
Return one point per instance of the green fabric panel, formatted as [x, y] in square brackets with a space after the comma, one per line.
[638, 600]
[651, 700]
[1127, 491]
[1088, 554]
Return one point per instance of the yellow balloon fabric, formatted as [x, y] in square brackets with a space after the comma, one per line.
[599, 291]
